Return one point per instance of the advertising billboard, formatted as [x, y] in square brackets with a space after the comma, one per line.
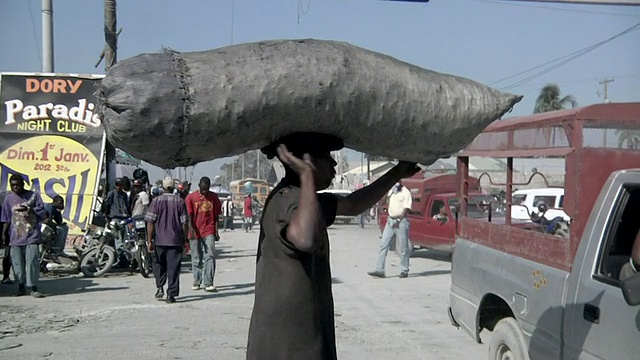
[51, 135]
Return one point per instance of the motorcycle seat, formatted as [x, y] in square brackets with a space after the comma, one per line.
[138, 217]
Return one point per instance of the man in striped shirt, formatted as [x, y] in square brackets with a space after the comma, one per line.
[167, 221]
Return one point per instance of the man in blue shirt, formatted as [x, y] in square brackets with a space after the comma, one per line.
[167, 229]
[116, 204]
[54, 219]
[22, 213]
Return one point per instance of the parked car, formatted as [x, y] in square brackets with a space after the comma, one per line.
[526, 201]
[430, 194]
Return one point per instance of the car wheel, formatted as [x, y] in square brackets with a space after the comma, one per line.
[507, 342]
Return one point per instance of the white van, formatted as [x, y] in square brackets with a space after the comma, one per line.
[526, 201]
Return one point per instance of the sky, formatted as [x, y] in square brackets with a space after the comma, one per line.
[484, 40]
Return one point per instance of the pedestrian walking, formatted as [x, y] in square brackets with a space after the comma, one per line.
[397, 225]
[167, 228]
[203, 207]
[247, 211]
[293, 314]
[4, 245]
[228, 210]
[22, 214]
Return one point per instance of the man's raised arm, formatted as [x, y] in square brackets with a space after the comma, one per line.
[361, 200]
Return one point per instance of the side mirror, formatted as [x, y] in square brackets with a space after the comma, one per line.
[631, 290]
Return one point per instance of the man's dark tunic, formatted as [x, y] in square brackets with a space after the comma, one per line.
[293, 311]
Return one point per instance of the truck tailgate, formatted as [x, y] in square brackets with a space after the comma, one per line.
[482, 277]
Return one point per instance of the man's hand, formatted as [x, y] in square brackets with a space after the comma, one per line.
[150, 246]
[3, 237]
[405, 169]
[299, 166]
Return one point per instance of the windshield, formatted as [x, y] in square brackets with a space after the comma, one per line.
[518, 199]
[478, 207]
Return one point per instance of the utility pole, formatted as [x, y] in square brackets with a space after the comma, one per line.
[606, 82]
[242, 164]
[257, 164]
[339, 161]
[47, 36]
[109, 54]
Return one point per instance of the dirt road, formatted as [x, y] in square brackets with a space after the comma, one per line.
[116, 317]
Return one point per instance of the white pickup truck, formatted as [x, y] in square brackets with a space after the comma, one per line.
[588, 309]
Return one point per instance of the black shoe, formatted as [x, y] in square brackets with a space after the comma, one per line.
[171, 299]
[404, 275]
[21, 290]
[378, 274]
[54, 258]
[7, 281]
[159, 294]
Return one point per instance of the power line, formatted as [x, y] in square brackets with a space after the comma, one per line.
[33, 26]
[301, 10]
[574, 10]
[577, 52]
[574, 81]
[563, 60]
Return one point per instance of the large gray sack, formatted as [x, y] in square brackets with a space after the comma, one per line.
[177, 109]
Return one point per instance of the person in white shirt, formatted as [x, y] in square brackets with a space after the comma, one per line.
[397, 224]
[228, 209]
[140, 199]
[441, 215]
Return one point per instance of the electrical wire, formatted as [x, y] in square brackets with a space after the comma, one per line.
[577, 52]
[35, 34]
[574, 10]
[301, 10]
[575, 81]
[563, 60]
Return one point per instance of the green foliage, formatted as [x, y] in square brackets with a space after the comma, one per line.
[550, 100]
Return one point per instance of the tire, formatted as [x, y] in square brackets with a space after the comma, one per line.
[144, 261]
[88, 264]
[507, 342]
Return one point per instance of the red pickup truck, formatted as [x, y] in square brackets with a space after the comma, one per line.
[430, 192]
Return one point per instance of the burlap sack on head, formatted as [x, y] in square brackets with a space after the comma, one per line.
[177, 109]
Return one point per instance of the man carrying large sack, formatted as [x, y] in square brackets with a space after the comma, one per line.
[293, 316]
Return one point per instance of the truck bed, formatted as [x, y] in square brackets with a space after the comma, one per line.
[487, 282]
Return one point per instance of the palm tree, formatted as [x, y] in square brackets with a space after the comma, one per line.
[628, 139]
[550, 100]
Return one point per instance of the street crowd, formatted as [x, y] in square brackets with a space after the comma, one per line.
[293, 315]
[25, 218]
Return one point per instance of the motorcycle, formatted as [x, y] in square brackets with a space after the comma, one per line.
[556, 226]
[123, 242]
[49, 261]
[83, 243]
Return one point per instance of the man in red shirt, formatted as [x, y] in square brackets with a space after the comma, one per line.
[248, 213]
[204, 208]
